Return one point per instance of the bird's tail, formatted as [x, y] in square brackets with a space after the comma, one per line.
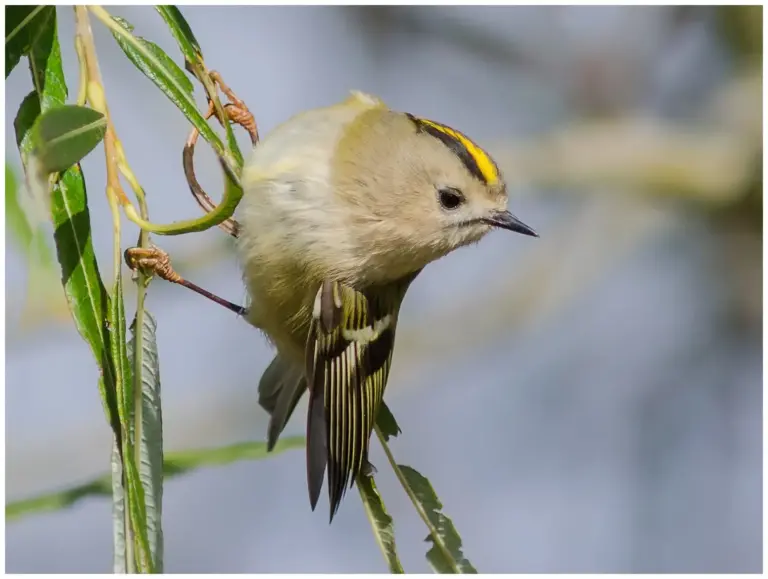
[280, 389]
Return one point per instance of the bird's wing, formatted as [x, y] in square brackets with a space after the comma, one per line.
[349, 353]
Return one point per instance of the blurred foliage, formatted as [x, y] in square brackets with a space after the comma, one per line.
[174, 464]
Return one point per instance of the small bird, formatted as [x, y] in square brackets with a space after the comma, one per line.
[343, 206]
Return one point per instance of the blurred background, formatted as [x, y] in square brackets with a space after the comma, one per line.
[589, 401]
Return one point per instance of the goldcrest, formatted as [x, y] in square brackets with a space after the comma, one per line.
[343, 206]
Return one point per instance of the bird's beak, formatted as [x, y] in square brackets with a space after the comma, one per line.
[506, 220]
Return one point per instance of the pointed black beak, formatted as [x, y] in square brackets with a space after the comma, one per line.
[506, 220]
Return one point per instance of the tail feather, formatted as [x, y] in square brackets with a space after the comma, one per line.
[280, 390]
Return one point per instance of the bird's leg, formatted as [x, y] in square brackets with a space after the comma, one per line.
[157, 262]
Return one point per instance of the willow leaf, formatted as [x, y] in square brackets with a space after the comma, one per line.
[22, 24]
[193, 56]
[86, 295]
[63, 135]
[119, 520]
[381, 522]
[174, 464]
[446, 555]
[147, 377]
[181, 31]
[166, 75]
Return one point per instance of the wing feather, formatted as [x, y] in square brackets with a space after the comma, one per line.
[351, 339]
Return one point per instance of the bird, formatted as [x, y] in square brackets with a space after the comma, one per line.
[343, 206]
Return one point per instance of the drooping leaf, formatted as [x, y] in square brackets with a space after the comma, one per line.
[45, 65]
[63, 135]
[175, 463]
[125, 403]
[84, 290]
[193, 57]
[22, 24]
[445, 555]
[381, 522]
[386, 422]
[119, 520]
[166, 75]
[146, 367]
[181, 31]
[138, 59]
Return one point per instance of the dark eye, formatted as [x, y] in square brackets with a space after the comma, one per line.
[450, 198]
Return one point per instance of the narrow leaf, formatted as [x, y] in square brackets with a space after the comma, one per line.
[445, 556]
[86, 295]
[181, 31]
[165, 77]
[381, 522]
[193, 57]
[63, 135]
[45, 64]
[119, 520]
[183, 461]
[22, 24]
[124, 388]
[175, 463]
[147, 377]
[386, 422]
[138, 59]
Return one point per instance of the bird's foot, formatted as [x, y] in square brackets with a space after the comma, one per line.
[151, 261]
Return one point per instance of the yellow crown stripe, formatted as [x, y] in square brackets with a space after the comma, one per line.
[483, 161]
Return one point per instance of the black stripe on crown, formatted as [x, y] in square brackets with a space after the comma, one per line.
[454, 144]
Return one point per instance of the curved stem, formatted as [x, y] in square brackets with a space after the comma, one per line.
[222, 212]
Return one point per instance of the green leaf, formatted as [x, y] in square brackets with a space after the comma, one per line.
[185, 460]
[63, 135]
[381, 522]
[445, 556]
[143, 65]
[166, 75]
[147, 378]
[45, 65]
[15, 219]
[181, 31]
[193, 57]
[386, 422]
[85, 293]
[124, 387]
[22, 24]
[119, 520]
[175, 463]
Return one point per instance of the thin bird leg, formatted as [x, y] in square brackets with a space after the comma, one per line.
[156, 261]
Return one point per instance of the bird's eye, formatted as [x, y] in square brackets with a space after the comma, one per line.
[450, 198]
